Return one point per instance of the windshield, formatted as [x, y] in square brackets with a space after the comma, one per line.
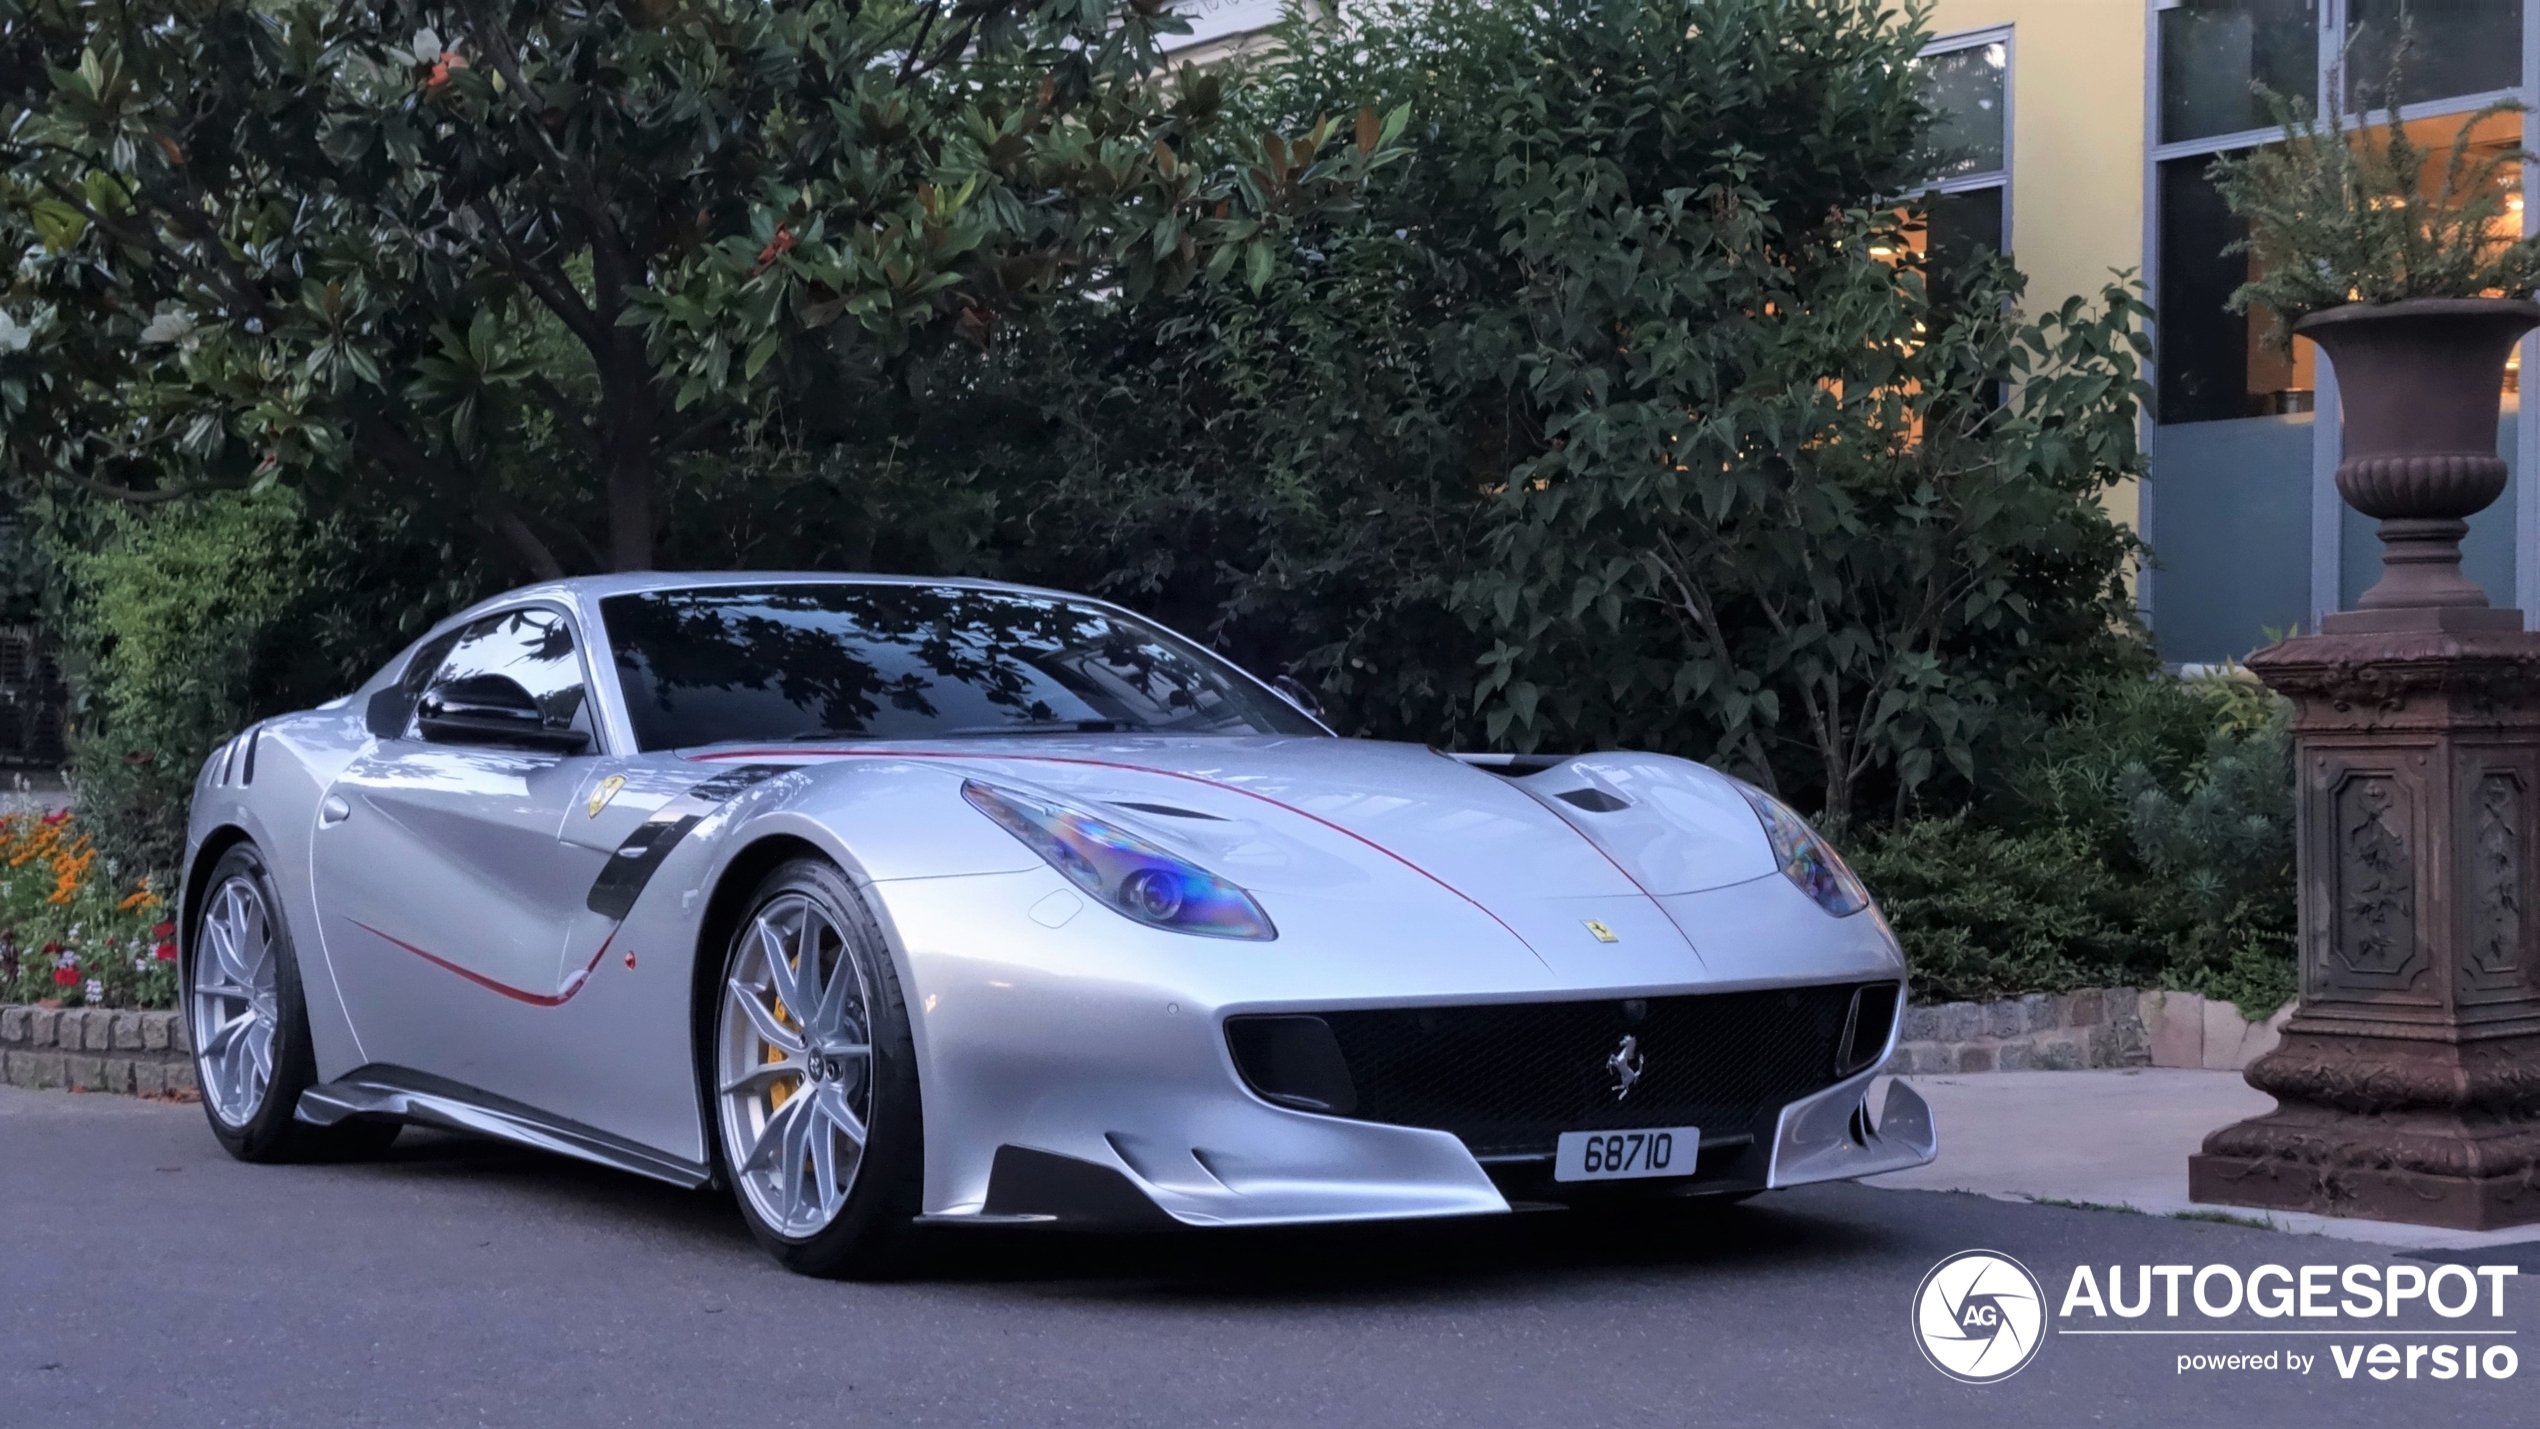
[841, 661]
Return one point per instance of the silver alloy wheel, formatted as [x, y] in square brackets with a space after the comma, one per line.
[794, 1066]
[235, 1006]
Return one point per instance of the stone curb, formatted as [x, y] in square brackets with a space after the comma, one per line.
[96, 1050]
[93, 1049]
[2075, 1031]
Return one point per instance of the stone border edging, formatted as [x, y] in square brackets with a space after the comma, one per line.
[96, 1050]
[93, 1049]
[2075, 1031]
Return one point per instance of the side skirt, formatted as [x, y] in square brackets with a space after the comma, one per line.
[396, 1092]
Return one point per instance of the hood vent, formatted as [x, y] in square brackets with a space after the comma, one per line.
[1513, 766]
[1166, 810]
[1595, 801]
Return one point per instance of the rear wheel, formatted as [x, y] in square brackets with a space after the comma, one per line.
[815, 1079]
[250, 1026]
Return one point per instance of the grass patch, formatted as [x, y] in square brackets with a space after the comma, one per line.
[2226, 1218]
[2060, 1202]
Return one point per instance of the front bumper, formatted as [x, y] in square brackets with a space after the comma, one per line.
[1081, 1074]
[1306, 1169]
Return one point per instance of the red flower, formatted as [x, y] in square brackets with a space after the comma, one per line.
[66, 976]
[164, 930]
[166, 952]
[57, 816]
[777, 247]
[51, 948]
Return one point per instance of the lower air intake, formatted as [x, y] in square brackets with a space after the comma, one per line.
[1509, 1078]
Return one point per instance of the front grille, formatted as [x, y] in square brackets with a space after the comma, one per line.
[1510, 1078]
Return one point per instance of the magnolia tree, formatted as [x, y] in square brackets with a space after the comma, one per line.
[535, 264]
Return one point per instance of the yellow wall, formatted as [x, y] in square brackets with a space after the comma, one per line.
[2077, 83]
[2077, 136]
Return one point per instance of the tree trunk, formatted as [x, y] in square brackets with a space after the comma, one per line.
[631, 452]
[630, 494]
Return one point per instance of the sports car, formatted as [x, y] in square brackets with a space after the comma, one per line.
[892, 903]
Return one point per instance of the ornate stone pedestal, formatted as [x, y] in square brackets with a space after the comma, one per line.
[2408, 1082]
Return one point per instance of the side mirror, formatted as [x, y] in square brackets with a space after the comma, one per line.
[491, 709]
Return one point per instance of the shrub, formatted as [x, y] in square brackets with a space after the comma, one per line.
[2218, 849]
[2145, 839]
[166, 626]
[1985, 913]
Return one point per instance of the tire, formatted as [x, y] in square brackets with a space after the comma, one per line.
[790, 1087]
[249, 1024]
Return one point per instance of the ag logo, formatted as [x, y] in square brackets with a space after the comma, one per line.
[1979, 1316]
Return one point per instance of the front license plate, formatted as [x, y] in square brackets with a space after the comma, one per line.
[1623, 1155]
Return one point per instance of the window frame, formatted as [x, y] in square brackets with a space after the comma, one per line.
[2000, 178]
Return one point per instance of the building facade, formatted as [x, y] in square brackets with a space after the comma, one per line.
[2111, 112]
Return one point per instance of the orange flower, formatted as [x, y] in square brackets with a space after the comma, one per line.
[442, 69]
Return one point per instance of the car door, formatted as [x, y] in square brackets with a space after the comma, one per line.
[448, 899]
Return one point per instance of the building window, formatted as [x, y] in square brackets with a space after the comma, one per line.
[2215, 54]
[1968, 208]
[2462, 48]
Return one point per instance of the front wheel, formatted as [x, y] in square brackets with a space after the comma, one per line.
[815, 1079]
[250, 1024]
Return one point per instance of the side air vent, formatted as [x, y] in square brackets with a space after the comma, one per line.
[247, 774]
[1595, 801]
[1293, 1061]
[1865, 1029]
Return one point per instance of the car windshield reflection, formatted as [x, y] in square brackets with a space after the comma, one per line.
[806, 662]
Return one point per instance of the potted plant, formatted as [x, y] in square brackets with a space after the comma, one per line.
[2417, 290]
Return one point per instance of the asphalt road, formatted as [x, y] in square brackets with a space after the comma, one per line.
[146, 1279]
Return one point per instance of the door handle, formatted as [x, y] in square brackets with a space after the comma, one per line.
[333, 810]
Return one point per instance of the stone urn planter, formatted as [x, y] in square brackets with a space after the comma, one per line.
[2407, 1083]
[2419, 383]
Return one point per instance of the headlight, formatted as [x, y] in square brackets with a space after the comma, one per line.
[1121, 870]
[1806, 859]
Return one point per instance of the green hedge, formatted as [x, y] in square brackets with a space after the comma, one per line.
[2146, 840]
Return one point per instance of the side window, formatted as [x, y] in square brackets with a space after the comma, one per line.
[533, 647]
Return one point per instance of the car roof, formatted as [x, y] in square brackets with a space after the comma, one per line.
[639, 582]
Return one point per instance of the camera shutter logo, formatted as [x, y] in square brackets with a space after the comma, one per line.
[1979, 1316]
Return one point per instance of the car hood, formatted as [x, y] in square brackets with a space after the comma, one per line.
[1310, 815]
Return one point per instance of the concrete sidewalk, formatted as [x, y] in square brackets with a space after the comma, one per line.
[2116, 1138]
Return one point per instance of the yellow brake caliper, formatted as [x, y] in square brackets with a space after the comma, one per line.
[780, 1091]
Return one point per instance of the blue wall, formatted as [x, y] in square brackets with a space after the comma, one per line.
[2230, 534]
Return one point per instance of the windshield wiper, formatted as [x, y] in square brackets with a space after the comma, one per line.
[1046, 726]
